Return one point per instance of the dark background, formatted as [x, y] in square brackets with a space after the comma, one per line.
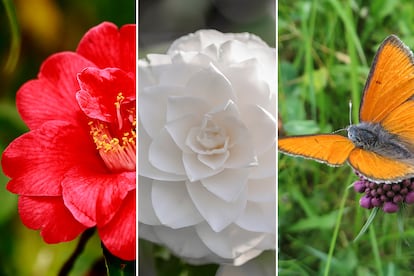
[162, 21]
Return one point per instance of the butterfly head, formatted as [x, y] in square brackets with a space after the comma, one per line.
[363, 135]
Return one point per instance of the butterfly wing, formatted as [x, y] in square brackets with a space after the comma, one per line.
[390, 81]
[368, 164]
[400, 122]
[331, 149]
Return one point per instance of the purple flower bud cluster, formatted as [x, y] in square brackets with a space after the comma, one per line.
[387, 196]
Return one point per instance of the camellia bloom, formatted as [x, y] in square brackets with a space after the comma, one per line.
[75, 168]
[207, 153]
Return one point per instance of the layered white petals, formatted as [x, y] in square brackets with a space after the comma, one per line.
[257, 218]
[227, 185]
[195, 169]
[230, 243]
[165, 155]
[266, 164]
[146, 211]
[207, 147]
[262, 126]
[217, 212]
[145, 168]
[261, 190]
[173, 206]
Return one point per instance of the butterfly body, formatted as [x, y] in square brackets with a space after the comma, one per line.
[381, 146]
[373, 137]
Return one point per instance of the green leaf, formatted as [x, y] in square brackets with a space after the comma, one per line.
[367, 223]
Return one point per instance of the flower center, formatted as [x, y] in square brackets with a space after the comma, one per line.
[211, 136]
[116, 141]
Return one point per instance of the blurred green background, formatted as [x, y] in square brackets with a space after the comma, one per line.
[325, 51]
[46, 27]
[160, 23]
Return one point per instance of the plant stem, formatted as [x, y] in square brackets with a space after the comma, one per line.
[78, 250]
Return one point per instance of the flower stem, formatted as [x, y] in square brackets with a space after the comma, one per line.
[335, 233]
[78, 250]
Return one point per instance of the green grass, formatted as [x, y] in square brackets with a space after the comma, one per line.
[325, 50]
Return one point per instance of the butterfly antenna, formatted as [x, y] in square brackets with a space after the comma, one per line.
[350, 119]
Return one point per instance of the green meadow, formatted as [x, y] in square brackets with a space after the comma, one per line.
[325, 51]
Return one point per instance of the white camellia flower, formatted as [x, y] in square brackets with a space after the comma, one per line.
[207, 147]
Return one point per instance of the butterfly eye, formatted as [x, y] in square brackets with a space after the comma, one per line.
[352, 133]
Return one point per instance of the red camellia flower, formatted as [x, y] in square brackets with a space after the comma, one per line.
[75, 168]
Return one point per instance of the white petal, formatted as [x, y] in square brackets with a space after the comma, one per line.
[267, 70]
[262, 190]
[152, 102]
[178, 107]
[259, 217]
[217, 212]
[228, 109]
[165, 155]
[147, 232]
[204, 59]
[227, 185]
[173, 204]
[214, 161]
[146, 212]
[195, 41]
[145, 75]
[183, 57]
[195, 169]
[183, 242]
[234, 52]
[211, 51]
[176, 74]
[145, 168]
[261, 125]
[179, 129]
[268, 242]
[158, 59]
[210, 85]
[242, 155]
[266, 164]
[231, 242]
[248, 83]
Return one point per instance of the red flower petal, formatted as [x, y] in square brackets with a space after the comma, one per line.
[52, 95]
[107, 46]
[50, 216]
[99, 91]
[38, 160]
[95, 198]
[119, 235]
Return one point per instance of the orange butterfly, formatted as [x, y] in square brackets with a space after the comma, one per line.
[381, 146]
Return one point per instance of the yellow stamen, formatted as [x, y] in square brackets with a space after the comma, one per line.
[116, 148]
